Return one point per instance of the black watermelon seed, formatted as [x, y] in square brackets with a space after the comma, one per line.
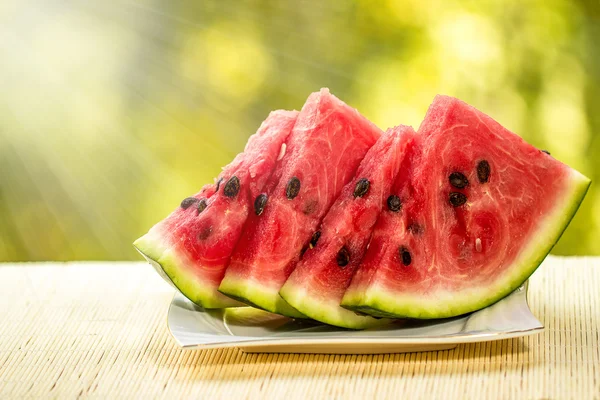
[303, 251]
[405, 256]
[415, 228]
[310, 207]
[343, 257]
[546, 151]
[483, 171]
[293, 188]
[232, 187]
[202, 205]
[362, 187]
[394, 203]
[218, 184]
[458, 180]
[205, 233]
[457, 199]
[260, 203]
[187, 202]
[314, 239]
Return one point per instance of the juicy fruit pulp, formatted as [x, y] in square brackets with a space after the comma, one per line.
[481, 209]
[327, 143]
[193, 244]
[455, 217]
[320, 279]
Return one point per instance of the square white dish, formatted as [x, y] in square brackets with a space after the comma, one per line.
[257, 331]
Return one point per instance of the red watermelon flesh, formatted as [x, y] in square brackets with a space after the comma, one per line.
[320, 279]
[192, 246]
[481, 209]
[326, 145]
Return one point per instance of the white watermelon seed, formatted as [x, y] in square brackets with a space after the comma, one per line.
[281, 151]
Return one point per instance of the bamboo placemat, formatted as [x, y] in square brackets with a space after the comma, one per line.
[99, 330]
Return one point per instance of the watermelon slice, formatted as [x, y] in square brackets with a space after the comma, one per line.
[193, 244]
[320, 279]
[326, 145]
[481, 209]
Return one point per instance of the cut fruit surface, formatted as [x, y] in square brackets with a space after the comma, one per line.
[319, 281]
[327, 143]
[481, 209]
[193, 244]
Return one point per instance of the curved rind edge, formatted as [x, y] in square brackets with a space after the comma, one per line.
[245, 289]
[331, 313]
[380, 302]
[183, 279]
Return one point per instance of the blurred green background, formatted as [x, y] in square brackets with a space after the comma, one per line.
[112, 112]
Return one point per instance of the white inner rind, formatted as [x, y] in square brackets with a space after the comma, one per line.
[443, 303]
[187, 279]
[328, 312]
[261, 296]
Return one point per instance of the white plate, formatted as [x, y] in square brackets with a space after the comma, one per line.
[261, 332]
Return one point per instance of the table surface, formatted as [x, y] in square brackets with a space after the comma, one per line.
[99, 330]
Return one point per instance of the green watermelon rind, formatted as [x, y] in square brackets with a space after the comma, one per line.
[172, 267]
[378, 301]
[262, 297]
[328, 313]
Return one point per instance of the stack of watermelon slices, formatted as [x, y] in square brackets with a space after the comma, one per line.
[324, 216]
